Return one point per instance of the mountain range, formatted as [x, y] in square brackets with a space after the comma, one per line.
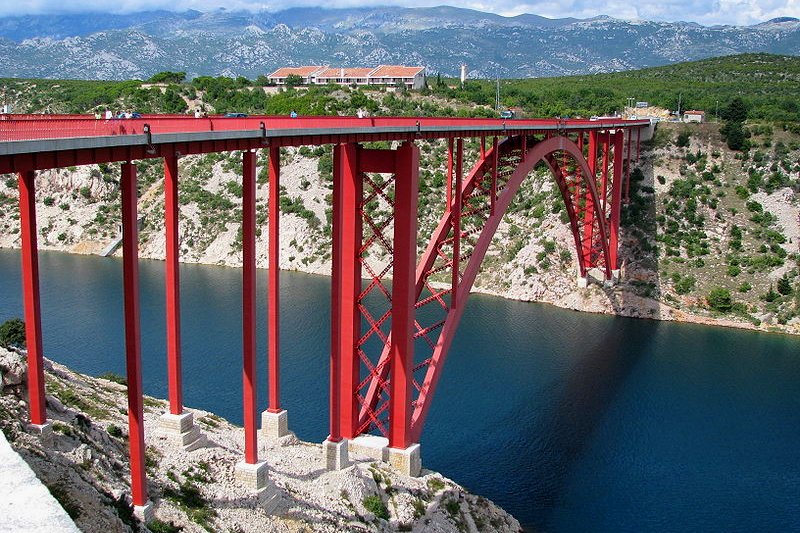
[241, 43]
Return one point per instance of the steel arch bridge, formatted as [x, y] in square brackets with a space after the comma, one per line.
[395, 312]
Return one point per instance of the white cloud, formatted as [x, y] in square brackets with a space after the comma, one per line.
[707, 12]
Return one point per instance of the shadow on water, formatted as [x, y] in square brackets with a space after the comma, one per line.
[561, 435]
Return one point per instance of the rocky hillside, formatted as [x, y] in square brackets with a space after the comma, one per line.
[231, 43]
[86, 469]
[704, 223]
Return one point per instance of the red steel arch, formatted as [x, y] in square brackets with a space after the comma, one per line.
[462, 238]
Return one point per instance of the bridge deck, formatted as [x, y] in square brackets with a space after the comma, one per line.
[51, 133]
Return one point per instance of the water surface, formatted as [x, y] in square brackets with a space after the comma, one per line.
[570, 421]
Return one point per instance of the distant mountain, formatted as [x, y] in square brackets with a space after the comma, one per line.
[233, 43]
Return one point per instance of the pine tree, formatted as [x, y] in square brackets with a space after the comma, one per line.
[784, 287]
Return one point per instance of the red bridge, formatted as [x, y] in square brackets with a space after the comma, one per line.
[385, 359]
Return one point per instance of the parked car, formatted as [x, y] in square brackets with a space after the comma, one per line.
[235, 115]
[507, 114]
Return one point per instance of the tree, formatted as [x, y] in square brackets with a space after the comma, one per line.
[168, 77]
[735, 111]
[293, 80]
[735, 135]
[12, 333]
[683, 139]
[172, 102]
[784, 286]
[719, 299]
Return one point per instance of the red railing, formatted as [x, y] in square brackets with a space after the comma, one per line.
[35, 127]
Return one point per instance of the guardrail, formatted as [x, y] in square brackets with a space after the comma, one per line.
[43, 127]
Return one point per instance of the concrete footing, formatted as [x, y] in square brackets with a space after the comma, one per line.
[335, 454]
[407, 461]
[583, 281]
[252, 476]
[180, 430]
[371, 446]
[145, 513]
[44, 431]
[274, 425]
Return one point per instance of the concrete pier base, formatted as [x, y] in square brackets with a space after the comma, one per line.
[371, 446]
[407, 461]
[180, 430]
[335, 455]
[252, 476]
[144, 513]
[583, 281]
[274, 425]
[44, 432]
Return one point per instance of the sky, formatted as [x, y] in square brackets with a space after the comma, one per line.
[707, 12]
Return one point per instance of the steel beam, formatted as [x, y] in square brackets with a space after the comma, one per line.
[172, 284]
[249, 306]
[456, 218]
[347, 243]
[403, 294]
[30, 293]
[133, 362]
[273, 319]
[616, 201]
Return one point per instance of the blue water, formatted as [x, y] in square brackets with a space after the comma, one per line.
[570, 421]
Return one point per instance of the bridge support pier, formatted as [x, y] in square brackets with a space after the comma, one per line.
[250, 472]
[274, 425]
[407, 461]
[181, 431]
[274, 421]
[252, 475]
[335, 454]
[32, 307]
[133, 358]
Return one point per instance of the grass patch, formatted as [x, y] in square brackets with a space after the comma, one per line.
[435, 484]
[374, 504]
[114, 377]
[191, 502]
[157, 526]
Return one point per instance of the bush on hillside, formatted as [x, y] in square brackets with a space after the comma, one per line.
[12, 333]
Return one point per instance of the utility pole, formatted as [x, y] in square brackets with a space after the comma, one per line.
[680, 96]
[497, 96]
[717, 112]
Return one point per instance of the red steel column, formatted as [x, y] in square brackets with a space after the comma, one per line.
[133, 362]
[628, 169]
[495, 157]
[616, 199]
[449, 172]
[273, 320]
[249, 305]
[172, 280]
[456, 218]
[403, 293]
[335, 362]
[30, 292]
[347, 234]
[588, 216]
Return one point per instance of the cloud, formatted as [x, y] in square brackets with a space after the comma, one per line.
[708, 12]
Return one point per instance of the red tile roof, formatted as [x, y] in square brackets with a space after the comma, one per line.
[395, 71]
[297, 71]
[694, 112]
[344, 73]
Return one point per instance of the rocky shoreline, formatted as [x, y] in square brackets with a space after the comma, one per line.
[85, 466]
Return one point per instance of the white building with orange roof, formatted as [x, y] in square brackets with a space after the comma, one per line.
[307, 74]
[411, 77]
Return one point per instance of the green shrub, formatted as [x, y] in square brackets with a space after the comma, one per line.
[12, 333]
[374, 504]
[719, 299]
